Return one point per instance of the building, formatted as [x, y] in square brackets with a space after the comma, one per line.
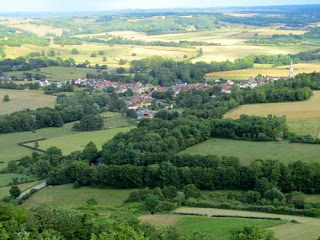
[291, 71]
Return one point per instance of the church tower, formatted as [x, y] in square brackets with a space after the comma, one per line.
[291, 73]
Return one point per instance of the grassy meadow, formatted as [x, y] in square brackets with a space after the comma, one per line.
[4, 191]
[248, 151]
[57, 73]
[77, 141]
[214, 227]
[63, 137]
[303, 117]
[5, 179]
[23, 99]
[67, 195]
[306, 229]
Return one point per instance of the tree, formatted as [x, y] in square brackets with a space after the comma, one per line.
[74, 51]
[89, 123]
[14, 191]
[101, 53]
[150, 202]
[131, 114]
[90, 152]
[104, 59]
[36, 144]
[121, 70]
[93, 55]
[122, 62]
[6, 98]
[191, 191]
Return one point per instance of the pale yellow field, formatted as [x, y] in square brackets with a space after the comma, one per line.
[22, 99]
[40, 30]
[306, 229]
[292, 110]
[223, 53]
[282, 71]
[113, 52]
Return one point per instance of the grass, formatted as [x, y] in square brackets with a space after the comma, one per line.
[63, 137]
[267, 70]
[219, 228]
[56, 73]
[303, 117]
[77, 141]
[23, 99]
[5, 179]
[307, 229]
[214, 227]
[248, 151]
[4, 191]
[67, 195]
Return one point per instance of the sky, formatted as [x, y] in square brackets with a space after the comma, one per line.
[101, 5]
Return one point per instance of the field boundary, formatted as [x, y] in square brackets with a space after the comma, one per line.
[228, 216]
[22, 144]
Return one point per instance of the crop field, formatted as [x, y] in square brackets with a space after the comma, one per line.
[67, 195]
[57, 73]
[23, 99]
[113, 53]
[5, 179]
[306, 229]
[214, 227]
[248, 151]
[303, 117]
[267, 70]
[223, 53]
[4, 191]
[78, 140]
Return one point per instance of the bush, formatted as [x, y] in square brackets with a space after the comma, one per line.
[165, 206]
[14, 192]
[253, 197]
[92, 202]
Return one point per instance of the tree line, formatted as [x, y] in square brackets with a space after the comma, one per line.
[68, 109]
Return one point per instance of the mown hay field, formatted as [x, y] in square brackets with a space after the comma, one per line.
[23, 99]
[113, 53]
[68, 195]
[303, 117]
[214, 227]
[223, 53]
[248, 151]
[306, 229]
[267, 70]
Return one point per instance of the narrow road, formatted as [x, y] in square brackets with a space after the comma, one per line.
[36, 187]
[307, 228]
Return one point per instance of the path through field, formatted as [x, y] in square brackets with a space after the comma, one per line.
[306, 229]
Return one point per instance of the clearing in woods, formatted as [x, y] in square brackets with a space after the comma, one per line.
[248, 151]
[68, 195]
[24, 99]
[306, 228]
[214, 227]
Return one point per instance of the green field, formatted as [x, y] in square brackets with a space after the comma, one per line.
[306, 229]
[78, 140]
[303, 117]
[5, 179]
[67, 195]
[59, 73]
[4, 191]
[248, 151]
[214, 227]
[63, 137]
[23, 99]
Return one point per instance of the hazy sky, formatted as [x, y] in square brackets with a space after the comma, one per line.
[93, 5]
